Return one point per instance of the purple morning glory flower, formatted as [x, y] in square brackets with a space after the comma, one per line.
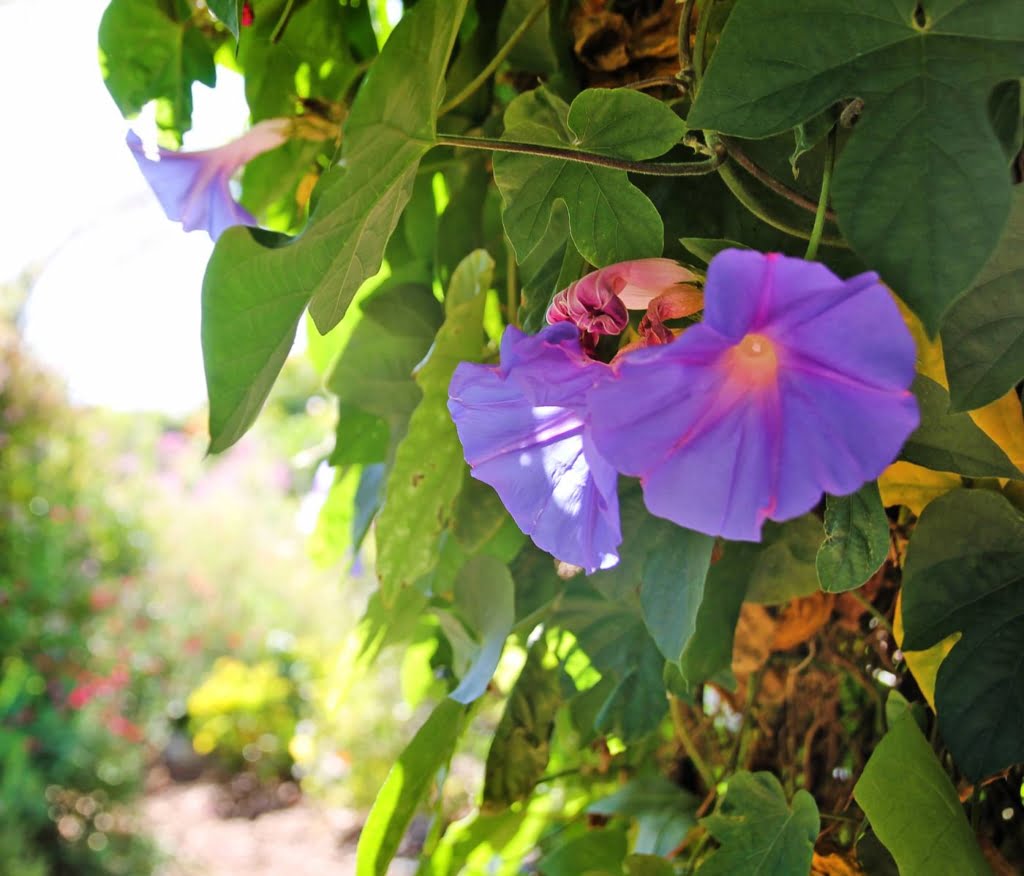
[796, 383]
[194, 187]
[523, 428]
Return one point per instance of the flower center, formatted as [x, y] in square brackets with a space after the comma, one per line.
[754, 361]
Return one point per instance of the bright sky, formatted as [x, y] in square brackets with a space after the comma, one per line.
[115, 310]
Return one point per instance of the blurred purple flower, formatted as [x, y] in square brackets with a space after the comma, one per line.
[194, 187]
[796, 383]
[597, 303]
[524, 431]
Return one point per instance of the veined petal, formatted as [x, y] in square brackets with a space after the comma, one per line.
[797, 383]
[538, 456]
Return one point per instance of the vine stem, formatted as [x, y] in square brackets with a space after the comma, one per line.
[826, 186]
[679, 723]
[511, 286]
[282, 22]
[670, 168]
[765, 178]
[495, 62]
[701, 37]
[685, 58]
[869, 607]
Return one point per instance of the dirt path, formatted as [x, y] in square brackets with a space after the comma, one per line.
[304, 840]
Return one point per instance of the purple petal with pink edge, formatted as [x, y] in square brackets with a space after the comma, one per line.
[538, 457]
[722, 443]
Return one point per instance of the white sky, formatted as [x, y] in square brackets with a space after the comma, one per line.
[116, 308]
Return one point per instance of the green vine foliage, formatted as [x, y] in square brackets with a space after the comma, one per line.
[842, 697]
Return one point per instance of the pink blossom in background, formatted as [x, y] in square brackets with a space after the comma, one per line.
[796, 383]
[194, 187]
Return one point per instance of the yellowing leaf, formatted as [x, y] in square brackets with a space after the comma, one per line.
[1003, 422]
[904, 483]
[923, 665]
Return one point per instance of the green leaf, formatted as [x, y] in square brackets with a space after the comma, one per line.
[521, 746]
[609, 218]
[663, 811]
[479, 515]
[672, 586]
[613, 636]
[856, 539]
[924, 215]
[228, 13]
[983, 333]
[759, 832]
[947, 441]
[707, 248]
[484, 599]
[709, 651]
[247, 335]
[784, 563]
[390, 127]
[310, 59]
[361, 438]
[913, 806]
[146, 55]
[375, 369]
[965, 573]
[596, 852]
[647, 865]
[406, 785]
[429, 465]
[535, 51]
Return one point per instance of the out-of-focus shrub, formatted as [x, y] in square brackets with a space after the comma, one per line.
[245, 715]
[69, 758]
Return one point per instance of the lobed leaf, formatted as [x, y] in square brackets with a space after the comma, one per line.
[943, 209]
[758, 831]
[610, 219]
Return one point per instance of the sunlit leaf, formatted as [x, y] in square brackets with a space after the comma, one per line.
[610, 220]
[405, 787]
[429, 465]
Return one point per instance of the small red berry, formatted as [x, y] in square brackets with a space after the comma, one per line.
[248, 16]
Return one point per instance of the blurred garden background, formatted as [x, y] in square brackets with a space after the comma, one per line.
[183, 685]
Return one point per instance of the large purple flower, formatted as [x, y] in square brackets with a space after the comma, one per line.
[194, 187]
[524, 431]
[796, 383]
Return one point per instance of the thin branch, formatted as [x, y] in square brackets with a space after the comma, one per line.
[826, 186]
[685, 58]
[700, 40]
[655, 81]
[282, 22]
[669, 168]
[495, 62]
[737, 154]
[679, 723]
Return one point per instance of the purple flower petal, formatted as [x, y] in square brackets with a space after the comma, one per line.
[536, 452]
[194, 187]
[796, 383]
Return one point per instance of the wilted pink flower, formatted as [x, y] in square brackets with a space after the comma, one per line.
[796, 383]
[194, 187]
[597, 304]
